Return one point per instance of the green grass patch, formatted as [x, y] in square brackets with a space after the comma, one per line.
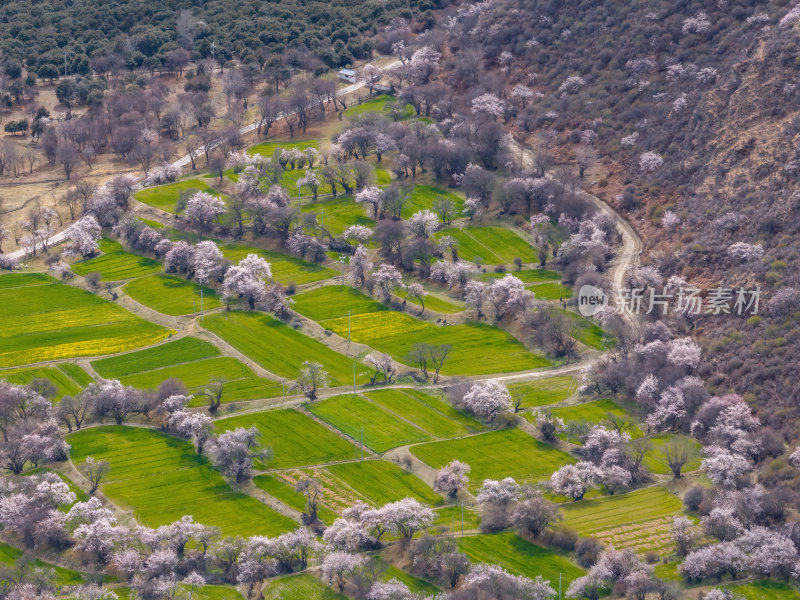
[381, 430]
[550, 291]
[116, 264]
[281, 490]
[764, 589]
[279, 348]
[656, 462]
[587, 332]
[65, 386]
[419, 413]
[57, 321]
[296, 439]
[378, 104]
[183, 350]
[302, 585]
[597, 412]
[76, 373]
[165, 197]
[267, 149]
[423, 196]
[444, 407]
[491, 245]
[333, 301]
[13, 280]
[162, 478]
[9, 555]
[640, 519]
[521, 557]
[450, 517]
[171, 295]
[240, 383]
[285, 269]
[396, 333]
[337, 214]
[526, 276]
[496, 455]
[417, 585]
[541, 392]
[380, 481]
[434, 303]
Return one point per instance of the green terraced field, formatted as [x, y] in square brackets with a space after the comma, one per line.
[240, 383]
[161, 478]
[65, 385]
[285, 269]
[450, 517]
[417, 585]
[444, 407]
[301, 585]
[380, 481]
[396, 333]
[57, 321]
[378, 104]
[640, 519]
[491, 245]
[115, 264]
[14, 280]
[495, 455]
[279, 348]
[333, 301]
[9, 555]
[171, 295]
[656, 462]
[420, 414]
[382, 430]
[165, 197]
[588, 332]
[550, 291]
[268, 148]
[521, 557]
[541, 392]
[337, 214]
[281, 490]
[76, 373]
[423, 196]
[296, 439]
[435, 303]
[597, 412]
[183, 350]
[764, 589]
[526, 276]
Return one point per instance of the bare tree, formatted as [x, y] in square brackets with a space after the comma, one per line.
[94, 471]
[677, 452]
[313, 492]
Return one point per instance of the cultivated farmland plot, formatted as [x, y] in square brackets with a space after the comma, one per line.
[161, 478]
[171, 295]
[196, 363]
[491, 245]
[285, 269]
[165, 197]
[296, 439]
[56, 321]
[116, 264]
[279, 348]
[495, 455]
[640, 519]
[379, 482]
[521, 557]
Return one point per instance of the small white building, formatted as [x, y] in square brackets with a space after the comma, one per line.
[347, 75]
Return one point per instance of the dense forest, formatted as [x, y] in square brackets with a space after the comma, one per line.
[102, 35]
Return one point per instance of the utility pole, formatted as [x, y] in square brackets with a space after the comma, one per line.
[354, 378]
[559, 586]
[348, 341]
[201, 301]
[462, 519]
[362, 442]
